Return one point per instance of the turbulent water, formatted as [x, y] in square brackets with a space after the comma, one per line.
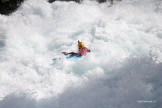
[123, 69]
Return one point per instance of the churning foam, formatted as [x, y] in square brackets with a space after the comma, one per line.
[32, 36]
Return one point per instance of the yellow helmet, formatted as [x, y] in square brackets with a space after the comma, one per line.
[80, 44]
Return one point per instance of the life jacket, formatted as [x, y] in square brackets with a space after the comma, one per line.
[83, 51]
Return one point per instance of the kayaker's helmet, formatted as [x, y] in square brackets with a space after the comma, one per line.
[81, 44]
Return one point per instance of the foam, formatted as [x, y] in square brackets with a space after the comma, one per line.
[136, 84]
[39, 31]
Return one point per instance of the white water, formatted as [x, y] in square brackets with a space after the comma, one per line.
[123, 68]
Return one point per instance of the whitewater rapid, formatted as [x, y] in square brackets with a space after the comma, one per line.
[123, 69]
